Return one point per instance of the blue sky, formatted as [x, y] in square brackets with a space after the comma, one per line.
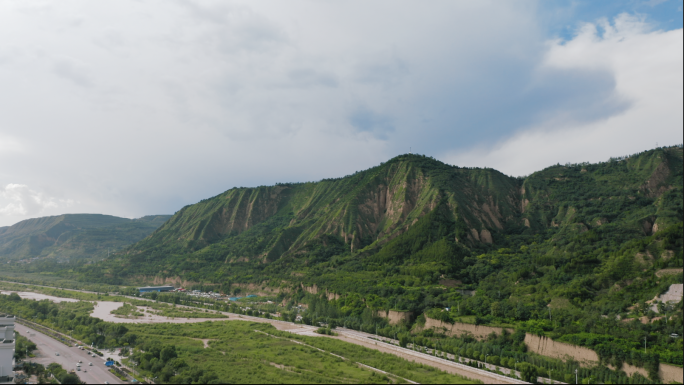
[141, 107]
[562, 17]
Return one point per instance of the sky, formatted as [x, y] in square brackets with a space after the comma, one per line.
[140, 107]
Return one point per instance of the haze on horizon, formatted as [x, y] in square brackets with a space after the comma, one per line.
[136, 107]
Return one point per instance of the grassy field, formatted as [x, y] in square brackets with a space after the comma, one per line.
[166, 310]
[51, 279]
[127, 311]
[244, 352]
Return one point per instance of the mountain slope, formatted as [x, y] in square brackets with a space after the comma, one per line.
[410, 211]
[73, 235]
[359, 212]
[570, 252]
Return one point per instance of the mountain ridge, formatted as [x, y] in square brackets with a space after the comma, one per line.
[63, 235]
[360, 213]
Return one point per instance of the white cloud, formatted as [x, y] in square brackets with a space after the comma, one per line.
[647, 67]
[138, 107]
[72, 70]
[20, 200]
[9, 145]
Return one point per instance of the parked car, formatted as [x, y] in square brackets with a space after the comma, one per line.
[90, 364]
[56, 353]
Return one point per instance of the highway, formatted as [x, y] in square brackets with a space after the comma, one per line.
[68, 357]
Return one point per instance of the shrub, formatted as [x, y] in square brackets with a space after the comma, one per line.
[494, 360]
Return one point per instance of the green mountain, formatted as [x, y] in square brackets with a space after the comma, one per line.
[412, 215]
[571, 252]
[73, 236]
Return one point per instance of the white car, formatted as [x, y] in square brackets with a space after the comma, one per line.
[90, 364]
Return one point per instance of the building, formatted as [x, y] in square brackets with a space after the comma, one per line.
[7, 346]
[150, 289]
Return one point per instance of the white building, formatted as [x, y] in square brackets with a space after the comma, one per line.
[7, 346]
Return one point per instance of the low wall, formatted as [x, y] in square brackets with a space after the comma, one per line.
[547, 347]
[478, 331]
[669, 373]
[315, 290]
[395, 317]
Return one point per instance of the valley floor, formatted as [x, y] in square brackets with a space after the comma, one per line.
[103, 311]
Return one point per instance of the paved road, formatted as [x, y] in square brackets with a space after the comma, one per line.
[68, 357]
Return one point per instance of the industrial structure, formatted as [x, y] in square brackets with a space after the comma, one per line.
[150, 289]
[7, 347]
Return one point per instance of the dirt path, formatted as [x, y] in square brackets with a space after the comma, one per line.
[38, 296]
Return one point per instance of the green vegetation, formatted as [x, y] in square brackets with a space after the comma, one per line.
[572, 252]
[509, 351]
[23, 347]
[127, 311]
[62, 375]
[71, 318]
[180, 312]
[253, 352]
[238, 351]
[61, 238]
[118, 375]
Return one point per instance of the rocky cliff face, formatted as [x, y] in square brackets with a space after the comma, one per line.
[369, 207]
[366, 211]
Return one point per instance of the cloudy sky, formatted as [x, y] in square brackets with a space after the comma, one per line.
[135, 107]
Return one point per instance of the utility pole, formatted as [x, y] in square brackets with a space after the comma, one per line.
[644, 344]
[576, 380]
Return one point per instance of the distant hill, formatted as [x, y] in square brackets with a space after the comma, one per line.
[74, 236]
